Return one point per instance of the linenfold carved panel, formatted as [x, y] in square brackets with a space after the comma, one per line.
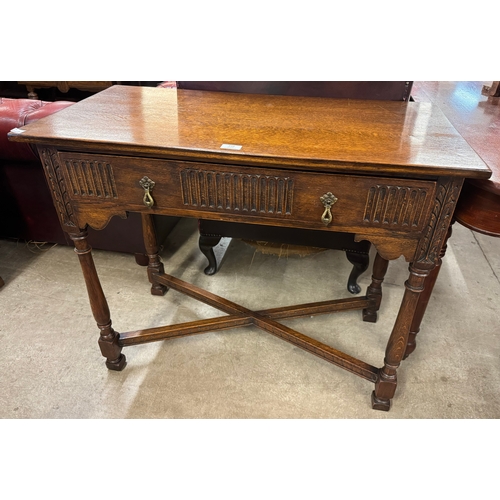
[395, 206]
[237, 192]
[57, 184]
[91, 178]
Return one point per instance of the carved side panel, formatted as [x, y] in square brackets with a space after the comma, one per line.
[397, 207]
[434, 236]
[91, 178]
[58, 187]
[237, 192]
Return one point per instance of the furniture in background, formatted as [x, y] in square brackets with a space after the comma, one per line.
[26, 203]
[357, 252]
[476, 116]
[396, 184]
[386, 91]
[211, 231]
[492, 90]
[64, 86]
[61, 91]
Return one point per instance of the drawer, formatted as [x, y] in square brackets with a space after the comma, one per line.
[238, 193]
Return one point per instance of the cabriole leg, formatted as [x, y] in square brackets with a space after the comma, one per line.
[360, 262]
[206, 243]
[108, 340]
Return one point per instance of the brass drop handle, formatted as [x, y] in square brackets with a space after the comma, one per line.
[328, 200]
[147, 184]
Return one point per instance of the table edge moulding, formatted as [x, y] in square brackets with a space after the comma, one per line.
[387, 172]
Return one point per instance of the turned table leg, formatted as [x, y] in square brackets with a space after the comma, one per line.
[155, 265]
[374, 291]
[385, 387]
[108, 341]
[423, 299]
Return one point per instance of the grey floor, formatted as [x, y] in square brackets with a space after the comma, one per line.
[51, 366]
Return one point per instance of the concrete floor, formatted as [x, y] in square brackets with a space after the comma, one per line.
[51, 366]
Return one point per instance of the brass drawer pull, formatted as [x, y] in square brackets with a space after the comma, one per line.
[328, 200]
[147, 184]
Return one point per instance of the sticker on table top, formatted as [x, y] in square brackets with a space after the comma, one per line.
[17, 131]
[231, 146]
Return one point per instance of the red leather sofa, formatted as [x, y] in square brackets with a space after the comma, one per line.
[26, 208]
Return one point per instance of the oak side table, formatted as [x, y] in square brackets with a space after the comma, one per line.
[388, 172]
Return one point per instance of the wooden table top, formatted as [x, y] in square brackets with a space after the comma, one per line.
[310, 133]
[475, 116]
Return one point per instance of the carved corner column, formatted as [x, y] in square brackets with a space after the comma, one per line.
[108, 341]
[424, 299]
[426, 258]
[385, 387]
[155, 265]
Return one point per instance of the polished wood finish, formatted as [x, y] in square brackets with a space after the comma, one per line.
[396, 170]
[479, 209]
[423, 300]
[477, 118]
[108, 340]
[155, 265]
[327, 135]
[356, 252]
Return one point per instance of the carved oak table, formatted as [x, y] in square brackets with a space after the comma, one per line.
[388, 172]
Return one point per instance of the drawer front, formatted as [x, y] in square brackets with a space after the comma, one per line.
[238, 193]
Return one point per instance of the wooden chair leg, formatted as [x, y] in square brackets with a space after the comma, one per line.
[141, 259]
[360, 262]
[207, 244]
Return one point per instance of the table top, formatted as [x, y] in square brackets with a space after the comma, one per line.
[475, 116]
[309, 133]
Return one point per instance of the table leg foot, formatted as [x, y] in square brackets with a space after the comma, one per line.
[157, 289]
[369, 317]
[117, 364]
[380, 404]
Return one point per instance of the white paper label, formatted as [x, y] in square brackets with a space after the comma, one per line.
[231, 146]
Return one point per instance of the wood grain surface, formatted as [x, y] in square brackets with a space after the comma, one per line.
[302, 132]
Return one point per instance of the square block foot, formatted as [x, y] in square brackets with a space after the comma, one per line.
[117, 365]
[380, 404]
